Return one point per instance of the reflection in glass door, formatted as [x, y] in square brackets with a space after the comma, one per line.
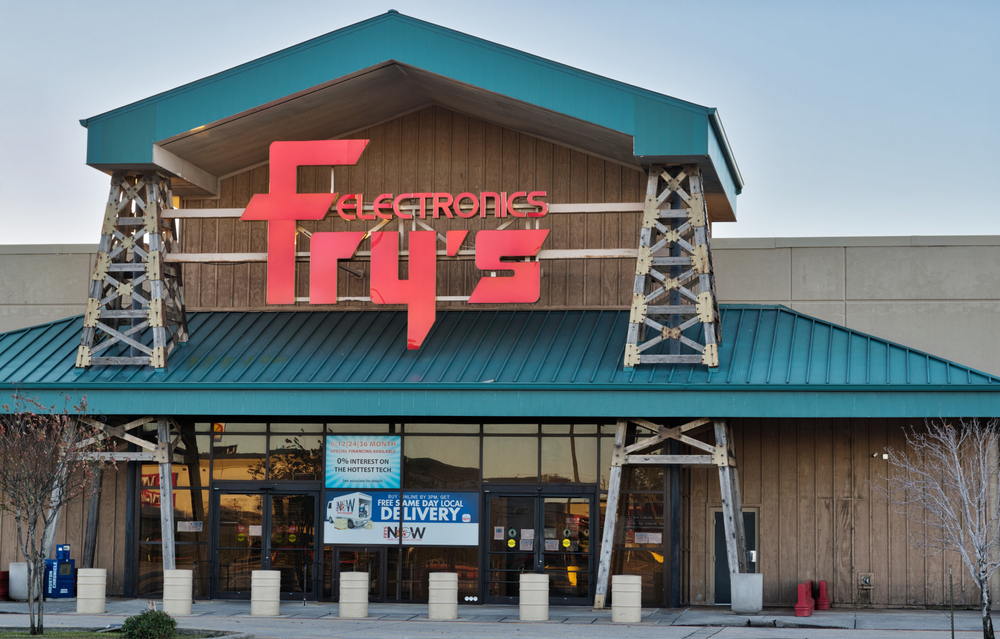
[370, 560]
[258, 531]
[540, 534]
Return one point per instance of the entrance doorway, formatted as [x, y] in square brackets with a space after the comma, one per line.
[360, 559]
[542, 534]
[265, 531]
[721, 581]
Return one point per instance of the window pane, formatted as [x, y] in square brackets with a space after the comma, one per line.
[510, 429]
[296, 428]
[357, 428]
[569, 459]
[296, 458]
[647, 563]
[191, 512]
[566, 429]
[510, 459]
[239, 457]
[642, 521]
[418, 563]
[441, 428]
[238, 427]
[607, 447]
[441, 462]
[188, 556]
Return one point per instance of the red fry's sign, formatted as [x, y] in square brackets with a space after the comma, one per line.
[282, 207]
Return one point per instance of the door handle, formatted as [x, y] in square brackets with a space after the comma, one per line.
[753, 556]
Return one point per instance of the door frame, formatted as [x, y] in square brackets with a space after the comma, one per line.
[710, 535]
[266, 492]
[540, 493]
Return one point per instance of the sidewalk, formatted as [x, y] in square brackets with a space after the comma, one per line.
[410, 620]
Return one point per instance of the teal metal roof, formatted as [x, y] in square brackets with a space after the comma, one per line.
[774, 362]
[661, 125]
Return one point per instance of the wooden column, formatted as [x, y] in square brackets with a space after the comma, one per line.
[674, 286]
[166, 494]
[610, 516]
[732, 508]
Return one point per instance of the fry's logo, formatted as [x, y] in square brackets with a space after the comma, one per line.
[283, 208]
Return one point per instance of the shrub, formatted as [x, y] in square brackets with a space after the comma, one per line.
[152, 624]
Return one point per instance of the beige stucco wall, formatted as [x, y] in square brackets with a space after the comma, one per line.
[43, 283]
[936, 294]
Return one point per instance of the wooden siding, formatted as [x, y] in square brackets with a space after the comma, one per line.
[820, 517]
[434, 150]
[110, 550]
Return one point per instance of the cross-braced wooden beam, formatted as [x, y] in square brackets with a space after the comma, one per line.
[720, 454]
[674, 287]
[133, 288]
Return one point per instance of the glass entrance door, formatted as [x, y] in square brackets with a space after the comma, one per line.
[265, 531]
[543, 534]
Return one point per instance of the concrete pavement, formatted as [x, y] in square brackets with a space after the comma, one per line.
[398, 621]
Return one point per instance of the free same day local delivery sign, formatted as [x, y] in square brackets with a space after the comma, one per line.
[360, 509]
[429, 519]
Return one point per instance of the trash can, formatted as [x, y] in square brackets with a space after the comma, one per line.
[91, 588]
[265, 593]
[442, 595]
[177, 585]
[353, 595]
[626, 598]
[534, 597]
[747, 593]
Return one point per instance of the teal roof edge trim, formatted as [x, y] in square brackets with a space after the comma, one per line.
[774, 362]
[125, 135]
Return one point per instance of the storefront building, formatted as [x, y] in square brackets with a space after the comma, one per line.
[327, 410]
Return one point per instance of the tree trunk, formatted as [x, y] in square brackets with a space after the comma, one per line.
[987, 620]
[40, 589]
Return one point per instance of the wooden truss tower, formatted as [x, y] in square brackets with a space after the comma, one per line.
[719, 454]
[674, 281]
[133, 289]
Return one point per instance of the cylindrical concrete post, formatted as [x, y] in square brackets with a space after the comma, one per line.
[265, 591]
[626, 598]
[18, 581]
[177, 589]
[354, 595]
[91, 589]
[443, 595]
[534, 597]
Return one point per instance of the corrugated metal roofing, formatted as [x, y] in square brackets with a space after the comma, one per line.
[660, 124]
[765, 349]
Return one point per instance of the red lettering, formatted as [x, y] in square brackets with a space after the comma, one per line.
[475, 205]
[421, 199]
[510, 203]
[360, 199]
[534, 201]
[395, 206]
[282, 206]
[380, 204]
[342, 204]
[419, 291]
[326, 249]
[524, 285]
[442, 202]
[496, 203]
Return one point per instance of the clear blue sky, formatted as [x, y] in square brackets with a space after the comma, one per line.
[846, 118]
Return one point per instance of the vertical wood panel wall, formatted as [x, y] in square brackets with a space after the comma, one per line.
[110, 550]
[820, 517]
[434, 150]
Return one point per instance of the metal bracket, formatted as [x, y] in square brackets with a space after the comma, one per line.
[631, 355]
[644, 260]
[705, 307]
[710, 356]
[638, 311]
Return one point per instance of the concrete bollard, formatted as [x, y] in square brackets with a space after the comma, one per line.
[748, 593]
[177, 588]
[265, 593]
[91, 590]
[626, 598]
[534, 597]
[443, 595]
[353, 595]
[18, 581]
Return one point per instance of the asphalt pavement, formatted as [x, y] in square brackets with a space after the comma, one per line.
[400, 621]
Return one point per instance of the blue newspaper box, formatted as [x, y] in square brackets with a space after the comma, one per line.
[60, 575]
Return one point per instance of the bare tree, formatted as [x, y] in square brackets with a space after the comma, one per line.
[46, 461]
[944, 482]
